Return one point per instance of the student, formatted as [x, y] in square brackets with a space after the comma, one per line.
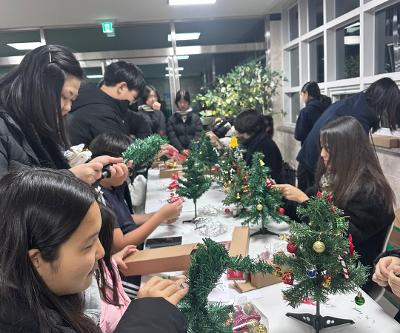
[49, 252]
[315, 104]
[34, 99]
[251, 132]
[184, 125]
[104, 109]
[151, 111]
[350, 170]
[371, 107]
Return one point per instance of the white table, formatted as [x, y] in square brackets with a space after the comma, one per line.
[370, 318]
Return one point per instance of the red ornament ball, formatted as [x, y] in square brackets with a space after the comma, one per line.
[329, 197]
[287, 278]
[227, 211]
[319, 194]
[268, 183]
[291, 248]
[214, 169]
[281, 211]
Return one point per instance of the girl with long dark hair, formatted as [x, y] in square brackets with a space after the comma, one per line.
[34, 98]
[49, 252]
[349, 168]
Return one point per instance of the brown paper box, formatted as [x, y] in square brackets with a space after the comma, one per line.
[386, 141]
[240, 242]
[167, 173]
[166, 259]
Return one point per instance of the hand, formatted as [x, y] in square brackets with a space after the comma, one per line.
[172, 291]
[121, 255]
[167, 150]
[170, 211]
[394, 281]
[186, 152]
[214, 139]
[156, 106]
[88, 172]
[171, 221]
[118, 169]
[382, 270]
[291, 192]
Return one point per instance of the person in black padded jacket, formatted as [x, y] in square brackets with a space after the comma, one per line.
[184, 125]
[349, 169]
[49, 249]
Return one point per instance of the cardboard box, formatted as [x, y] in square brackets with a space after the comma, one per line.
[167, 173]
[240, 242]
[166, 259]
[386, 141]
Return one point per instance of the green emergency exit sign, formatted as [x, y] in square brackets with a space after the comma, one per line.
[107, 27]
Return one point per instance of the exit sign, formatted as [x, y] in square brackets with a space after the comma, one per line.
[107, 27]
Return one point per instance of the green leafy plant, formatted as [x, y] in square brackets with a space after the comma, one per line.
[246, 86]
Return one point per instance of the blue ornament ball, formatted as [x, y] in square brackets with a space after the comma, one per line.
[312, 273]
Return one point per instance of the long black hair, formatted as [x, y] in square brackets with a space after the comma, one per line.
[383, 99]
[249, 121]
[40, 209]
[31, 94]
[353, 164]
[105, 265]
[312, 88]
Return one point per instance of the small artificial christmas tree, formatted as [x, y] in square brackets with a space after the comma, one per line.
[228, 163]
[195, 183]
[209, 261]
[322, 260]
[143, 151]
[239, 187]
[207, 153]
[263, 202]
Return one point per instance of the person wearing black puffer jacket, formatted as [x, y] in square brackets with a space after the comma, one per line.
[184, 125]
[316, 103]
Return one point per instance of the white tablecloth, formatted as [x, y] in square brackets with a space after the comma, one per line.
[368, 318]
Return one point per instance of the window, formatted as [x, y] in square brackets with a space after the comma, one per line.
[344, 6]
[317, 59]
[348, 51]
[315, 13]
[387, 41]
[294, 22]
[294, 67]
[295, 106]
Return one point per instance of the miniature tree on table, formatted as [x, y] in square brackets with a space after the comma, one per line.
[322, 260]
[144, 151]
[195, 182]
[209, 261]
[263, 202]
[206, 151]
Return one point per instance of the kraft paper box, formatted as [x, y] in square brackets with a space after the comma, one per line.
[386, 141]
[165, 259]
[167, 173]
[240, 242]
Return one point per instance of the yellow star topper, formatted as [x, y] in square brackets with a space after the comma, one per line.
[262, 163]
[233, 143]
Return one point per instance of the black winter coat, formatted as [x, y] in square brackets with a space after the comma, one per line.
[137, 125]
[17, 148]
[355, 106]
[154, 315]
[262, 143]
[181, 134]
[94, 113]
[307, 118]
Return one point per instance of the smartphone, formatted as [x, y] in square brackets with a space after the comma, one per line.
[153, 243]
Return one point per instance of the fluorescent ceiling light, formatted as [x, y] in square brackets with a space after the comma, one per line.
[179, 68]
[182, 57]
[167, 75]
[351, 40]
[185, 36]
[26, 46]
[190, 2]
[94, 76]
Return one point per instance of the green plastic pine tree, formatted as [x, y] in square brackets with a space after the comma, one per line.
[263, 202]
[207, 153]
[209, 261]
[195, 182]
[228, 163]
[322, 260]
[144, 151]
[239, 186]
